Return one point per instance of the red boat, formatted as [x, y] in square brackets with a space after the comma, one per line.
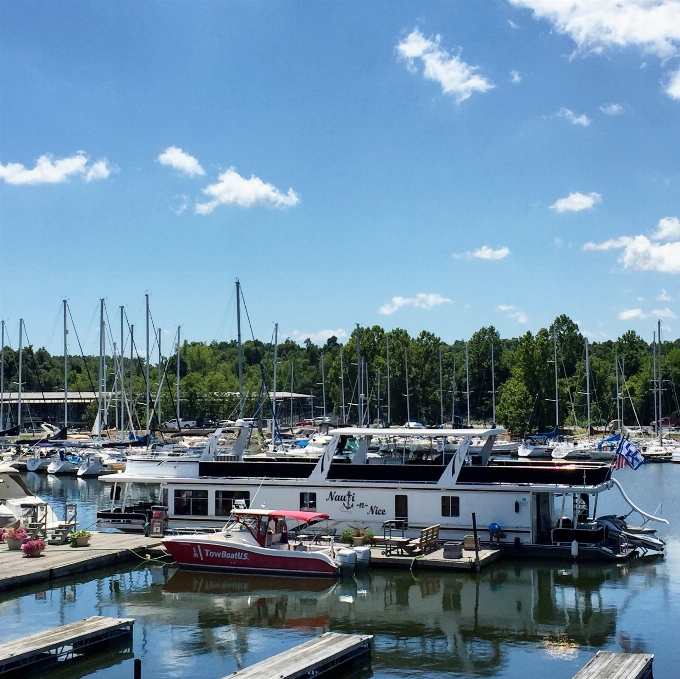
[256, 540]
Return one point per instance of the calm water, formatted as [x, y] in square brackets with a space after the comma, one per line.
[516, 619]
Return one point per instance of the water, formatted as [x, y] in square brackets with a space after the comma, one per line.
[515, 619]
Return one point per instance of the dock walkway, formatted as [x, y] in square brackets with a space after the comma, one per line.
[312, 658]
[435, 560]
[62, 641]
[105, 549]
[607, 665]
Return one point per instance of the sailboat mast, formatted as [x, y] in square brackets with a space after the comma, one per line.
[323, 387]
[377, 398]
[368, 395]
[408, 396]
[122, 371]
[557, 393]
[21, 356]
[467, 381]
[453, 394]
[588, 385]
[159, 398]
[148, 363]
[276, 358]
[65, 370]
[658, 363]
[441, 389]
[101, 368]
[2, 377]
[292, 364]
[132, 369]
[360, 382]
[389, 404]
[493, 389]
[178, 371]
[342, 390]
[240, 349]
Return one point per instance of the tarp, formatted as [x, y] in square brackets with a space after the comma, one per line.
[546, 435]
[614, 437]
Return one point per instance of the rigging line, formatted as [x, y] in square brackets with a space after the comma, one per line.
[94, 315]
[35, 364]
[82, 353]
[53, 329]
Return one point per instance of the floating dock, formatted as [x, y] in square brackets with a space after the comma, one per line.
[62, 642]
[106, 549]
[312, 658]
[606, 665]
[435, 560]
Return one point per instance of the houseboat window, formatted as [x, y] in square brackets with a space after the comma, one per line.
[191, 502]
[401, 508]
[225, 501]
[308, 501]
[450, 505]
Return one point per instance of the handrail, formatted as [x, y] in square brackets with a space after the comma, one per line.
[651, 517]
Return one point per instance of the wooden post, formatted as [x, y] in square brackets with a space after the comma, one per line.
[474, 533]
[138, 668]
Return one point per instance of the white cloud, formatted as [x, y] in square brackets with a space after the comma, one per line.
[421, 301]
[642, 254]
[576, 202]
[673, 87]
[233, 189]
[452, 73]
[567, 113]
[652, 25]
[512, 24]
[485, 252]
[49, 171]
[611, 109]
[664, 297]
[639, 314]
[515, 77]
[513, 312]
[316, 337]
[181, 161]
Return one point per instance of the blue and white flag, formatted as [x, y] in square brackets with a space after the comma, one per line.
[630, 453]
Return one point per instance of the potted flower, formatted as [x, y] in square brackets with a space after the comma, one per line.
[14, 537]
[80, 538]
[361, 536]
[2, 534]
[33, 548]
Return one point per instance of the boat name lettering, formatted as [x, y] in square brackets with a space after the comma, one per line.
[224, 554]
[377, 510]
[347, 499]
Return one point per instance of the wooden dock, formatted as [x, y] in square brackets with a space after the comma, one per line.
[436, 561]
[312, 658]
[106, 549]
[606, 665]
[62, 642]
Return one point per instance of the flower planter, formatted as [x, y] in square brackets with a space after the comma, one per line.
[33, 553]
[358, 541]
[14, 544]
[82, 541]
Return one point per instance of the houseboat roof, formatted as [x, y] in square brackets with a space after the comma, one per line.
[414, 431]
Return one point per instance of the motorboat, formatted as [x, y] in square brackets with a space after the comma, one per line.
[99, 463]
[64, 463]
[257, 540]
[18, 504]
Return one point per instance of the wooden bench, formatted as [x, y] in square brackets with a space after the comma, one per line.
[428, 541]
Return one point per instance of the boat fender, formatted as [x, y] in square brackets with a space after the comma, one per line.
[574, 548]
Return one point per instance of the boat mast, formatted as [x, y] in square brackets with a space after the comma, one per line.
[389, 405]
[441, 389]
[132, 364]
[368, 395]
[240, 349]
[276, 357]
[21, 355]
[342, 391]
[656, 412]
[377, 398]
[557, 393]
[101, 367]
[453, 394]
[618, 398]
[467, 382]
[2, 377]
[178, 372]
[159, 397]
[323, 387]
[408, 397]
[291, 395]
[122, 372]
[148, 363]
[65, 370]
[493, 389]
[360, 382]
[588, 385]
[659, 374]
[114, 395]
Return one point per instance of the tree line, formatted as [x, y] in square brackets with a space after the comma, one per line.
[520, 380]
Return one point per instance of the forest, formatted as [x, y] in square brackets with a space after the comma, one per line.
[520, 378]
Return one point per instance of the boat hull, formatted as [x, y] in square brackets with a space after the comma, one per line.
[226, 557]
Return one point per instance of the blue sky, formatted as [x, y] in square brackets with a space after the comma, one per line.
[438, 166]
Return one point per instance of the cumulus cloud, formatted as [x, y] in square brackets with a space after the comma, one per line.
[673, 86]
[575, 202]
[451, 72]
[50, 171]
[233, 189]
[422, 300]
[515, 77]
[611, 109]
[642, 253]
[574, 119]
[485, 252]
[639, 314]
[322, 336]
[181, 161]
[513, 312]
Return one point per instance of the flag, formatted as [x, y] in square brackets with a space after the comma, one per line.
[628, 454]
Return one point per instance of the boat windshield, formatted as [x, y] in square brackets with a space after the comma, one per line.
[244, 522]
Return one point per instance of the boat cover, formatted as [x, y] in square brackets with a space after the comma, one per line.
[300, 516]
